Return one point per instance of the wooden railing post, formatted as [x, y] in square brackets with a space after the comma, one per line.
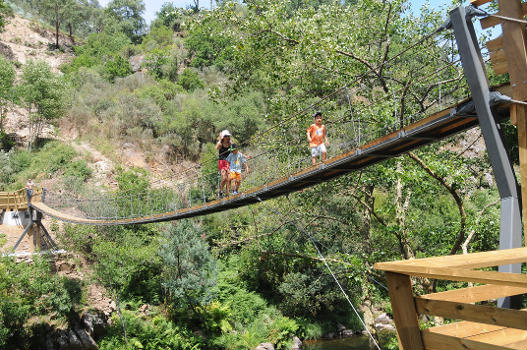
[515, 46]
[404, 311]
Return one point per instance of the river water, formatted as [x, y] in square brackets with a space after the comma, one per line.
[352, 343]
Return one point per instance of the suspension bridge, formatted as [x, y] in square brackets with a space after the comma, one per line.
[371, 129]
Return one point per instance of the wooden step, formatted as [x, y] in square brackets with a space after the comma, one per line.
[474, 336]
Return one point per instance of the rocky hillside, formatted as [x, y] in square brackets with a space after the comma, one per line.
[22, 41]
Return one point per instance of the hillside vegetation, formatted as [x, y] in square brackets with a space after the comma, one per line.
[160, 95]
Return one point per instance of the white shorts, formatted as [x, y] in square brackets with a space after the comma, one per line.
[317, 151]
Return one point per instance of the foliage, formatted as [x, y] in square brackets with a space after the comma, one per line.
[52, 159]
[150, 334]
[190, 81]
[98, 49]
[42, 92]
[117, 67]
[189, 269]
[127, 15]
[31, 290]
[5, 11]
[7, 91]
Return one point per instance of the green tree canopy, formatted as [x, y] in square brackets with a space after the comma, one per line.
[43, 93]
[128, 16]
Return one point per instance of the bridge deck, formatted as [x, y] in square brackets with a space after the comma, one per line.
[456, 118]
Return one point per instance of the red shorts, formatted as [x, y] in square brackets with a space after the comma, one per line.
[223, 165]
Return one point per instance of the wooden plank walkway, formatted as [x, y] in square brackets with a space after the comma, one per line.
[451, 120]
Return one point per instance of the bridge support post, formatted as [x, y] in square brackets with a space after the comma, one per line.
[510, 224]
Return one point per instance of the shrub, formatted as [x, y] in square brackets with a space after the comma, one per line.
[31, 290]
[190, 270]
[117, 67]
[6, 142]
[149, 334]
[78, 169]
[190, 80]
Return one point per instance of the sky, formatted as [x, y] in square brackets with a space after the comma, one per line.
[152, 6]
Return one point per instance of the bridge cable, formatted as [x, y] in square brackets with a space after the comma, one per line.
[322, 257]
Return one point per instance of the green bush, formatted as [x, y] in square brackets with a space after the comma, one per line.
[149, 334]
[117, 67]
[6, 142]
[30, 290]
[190, 80]
[78, 169]
[98, 49]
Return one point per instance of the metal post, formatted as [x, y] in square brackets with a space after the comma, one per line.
[510, 224]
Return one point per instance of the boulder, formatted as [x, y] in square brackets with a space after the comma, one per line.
[346, 333]
[383, 318]
[72, 338]
[95, 323]
[136, 62]
[384, 327]
[265, 346]
[5, 50]
[297, 343]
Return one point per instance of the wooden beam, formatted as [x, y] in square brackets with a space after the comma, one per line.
[521, 122]
[479, 2]
[490, 21]
[506, 337]
[499, 62]
[475, 294]
[466, 275]
[515, 45]
[495, 44]
[404, 312]
[473, 260]
[434, 341]
[475, 313]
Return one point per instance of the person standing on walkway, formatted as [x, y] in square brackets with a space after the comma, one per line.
[223, 145]
[236, 160]
[317, 138]
[29, 187]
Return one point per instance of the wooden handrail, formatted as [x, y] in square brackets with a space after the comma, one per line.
[16, 200]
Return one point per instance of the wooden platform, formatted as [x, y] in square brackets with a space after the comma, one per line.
[482, 326]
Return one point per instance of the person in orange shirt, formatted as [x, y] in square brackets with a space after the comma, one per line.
[317, 138]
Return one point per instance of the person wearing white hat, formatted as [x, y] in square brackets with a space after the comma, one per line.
[223, 145]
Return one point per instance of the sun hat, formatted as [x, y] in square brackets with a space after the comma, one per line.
[225, 133]
[233, 147]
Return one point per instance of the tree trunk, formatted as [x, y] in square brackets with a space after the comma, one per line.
[401, 206]
[118, 304]
[57, 27]
[71, 32]
[369, 199]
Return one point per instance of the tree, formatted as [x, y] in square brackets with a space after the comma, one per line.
[55, 11]
[43, 94]
[7, 79]
[5, 11]
[127, 15]
[30, 290]
[190, 270]
[116, 263]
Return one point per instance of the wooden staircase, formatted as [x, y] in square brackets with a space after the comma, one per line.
[477, 326]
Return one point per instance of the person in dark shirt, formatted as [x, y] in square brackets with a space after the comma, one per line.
[223, 145]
